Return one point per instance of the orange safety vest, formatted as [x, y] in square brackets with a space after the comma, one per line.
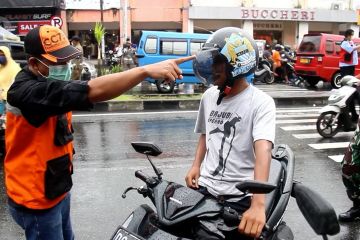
[29, 150]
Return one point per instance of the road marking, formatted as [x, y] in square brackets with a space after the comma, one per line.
[299, 128]
[316, 135]
[296, 115]
[131, 113]
[287, 121]
[296, 110]
[322, 146]
[337, 158]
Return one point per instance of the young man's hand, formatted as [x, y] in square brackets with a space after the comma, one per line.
[253, 220]
[167, 70]
[192, 177]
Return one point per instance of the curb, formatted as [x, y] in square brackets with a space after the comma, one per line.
[149, 105]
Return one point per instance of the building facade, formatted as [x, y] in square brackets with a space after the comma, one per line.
[282, 21]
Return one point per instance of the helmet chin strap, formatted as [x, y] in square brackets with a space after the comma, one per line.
[224, 91]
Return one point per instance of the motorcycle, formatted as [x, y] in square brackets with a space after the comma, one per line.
[263, 72]
[178, 208]
[334, 117]
[112, 59]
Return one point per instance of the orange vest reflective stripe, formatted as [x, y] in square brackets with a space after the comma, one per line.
[28, 149]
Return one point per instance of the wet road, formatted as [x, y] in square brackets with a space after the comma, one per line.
[105, 164]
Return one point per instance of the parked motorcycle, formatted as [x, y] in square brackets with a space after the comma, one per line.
[178, 208]
[334, 117]
[263, 72]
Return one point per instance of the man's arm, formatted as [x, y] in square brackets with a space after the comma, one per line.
[194, 173]
[110, 86]
[254, 219]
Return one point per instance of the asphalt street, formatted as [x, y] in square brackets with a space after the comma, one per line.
[105, 164]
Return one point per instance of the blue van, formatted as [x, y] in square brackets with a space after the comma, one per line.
[156, 46]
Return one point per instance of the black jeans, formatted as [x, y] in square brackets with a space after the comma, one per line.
[240, 206]
[348, 70]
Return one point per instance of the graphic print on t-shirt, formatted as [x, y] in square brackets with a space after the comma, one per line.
[226, 132]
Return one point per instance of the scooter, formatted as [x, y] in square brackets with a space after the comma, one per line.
[178, 208]
[334, 117]
[263, 72]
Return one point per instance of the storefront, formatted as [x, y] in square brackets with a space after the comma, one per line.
[286, 26]
[19, 17]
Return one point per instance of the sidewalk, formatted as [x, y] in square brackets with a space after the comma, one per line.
[283, 95]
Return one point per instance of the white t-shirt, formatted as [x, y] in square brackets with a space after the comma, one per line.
[349, 47]
[231, 129]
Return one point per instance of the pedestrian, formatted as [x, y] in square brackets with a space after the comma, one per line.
[128, 55]
[351, 177]
[8, 70]
[347, 63]
[77, 62]
[75, 41]
[39, 134]
[236, 123]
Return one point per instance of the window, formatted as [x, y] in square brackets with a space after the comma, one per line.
[150, 45]
[195, 47]
[337, 47]
[18, 52]
[310, 44]
[173, 47]
[329, 48]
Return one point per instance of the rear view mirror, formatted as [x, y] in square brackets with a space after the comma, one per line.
[251, 186]
[147, 148]
[317, 211]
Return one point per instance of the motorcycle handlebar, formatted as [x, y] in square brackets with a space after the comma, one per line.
[142, 176]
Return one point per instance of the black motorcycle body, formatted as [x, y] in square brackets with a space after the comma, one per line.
[263, 72]
[178, 208]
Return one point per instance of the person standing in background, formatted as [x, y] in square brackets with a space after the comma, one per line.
[77, 66]
[8, 70]
[348, 61]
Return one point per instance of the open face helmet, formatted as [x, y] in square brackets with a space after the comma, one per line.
[232, 46]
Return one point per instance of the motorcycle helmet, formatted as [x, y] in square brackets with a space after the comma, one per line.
[230, 45]
[279, 47]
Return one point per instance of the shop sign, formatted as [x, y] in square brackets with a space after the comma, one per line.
[25, 26]
[275, 14]
[27, 17]
[277, 26]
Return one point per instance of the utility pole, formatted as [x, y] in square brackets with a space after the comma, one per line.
[102, 23]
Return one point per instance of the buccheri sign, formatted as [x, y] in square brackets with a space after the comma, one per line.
[274, 14]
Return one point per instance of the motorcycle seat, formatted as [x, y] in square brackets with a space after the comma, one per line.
[275, 175]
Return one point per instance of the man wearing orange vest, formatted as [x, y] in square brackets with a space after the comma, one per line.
[39, 149]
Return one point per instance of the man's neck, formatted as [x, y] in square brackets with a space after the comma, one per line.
[239, 86]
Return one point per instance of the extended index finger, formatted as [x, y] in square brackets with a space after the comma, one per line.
[184, 59]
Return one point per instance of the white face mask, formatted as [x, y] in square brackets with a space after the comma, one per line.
[57, 72]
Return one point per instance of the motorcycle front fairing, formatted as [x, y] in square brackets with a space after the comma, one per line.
[176, 203]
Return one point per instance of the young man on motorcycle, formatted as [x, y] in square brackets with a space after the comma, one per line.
[236, 122]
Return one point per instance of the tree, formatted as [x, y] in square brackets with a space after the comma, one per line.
[99, 33]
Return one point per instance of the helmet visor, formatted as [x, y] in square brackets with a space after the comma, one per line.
[203, 63]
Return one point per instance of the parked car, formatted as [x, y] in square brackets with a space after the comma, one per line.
[318, 58]
[17, 51]
[156, 46]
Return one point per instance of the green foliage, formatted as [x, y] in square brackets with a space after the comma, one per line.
[116, 69]
[99, 32]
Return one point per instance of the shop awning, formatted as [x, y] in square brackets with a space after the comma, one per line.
[6, 35]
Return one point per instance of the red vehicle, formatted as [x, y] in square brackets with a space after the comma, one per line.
[318, 58]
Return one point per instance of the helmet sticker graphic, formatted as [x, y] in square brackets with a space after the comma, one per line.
[240, 54]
